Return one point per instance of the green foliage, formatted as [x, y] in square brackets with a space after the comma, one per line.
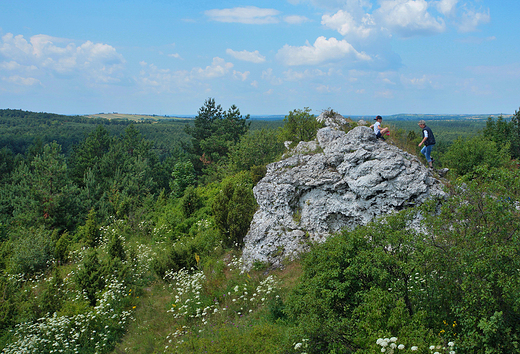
[505, 133]
[115, 248]
[32, 248]
[52, 297]
[458, 281]
[214, 131]
[183, 176]
[258, 148]
[233, 208]
[477, 269]
[257, 173]
[40, 192]
[89, 233]
[89, 153]
[190, 201]
[342, 279]
[465, 155]
[90, 277]
[300, 125]
[63, 247]
[8, 303]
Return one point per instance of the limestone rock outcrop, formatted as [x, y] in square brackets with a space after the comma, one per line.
[340, 180]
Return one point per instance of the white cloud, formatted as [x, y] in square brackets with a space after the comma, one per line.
[446, 7]
[218, 68]
[295, 19]
[476, 40]
[384, 94]
[247, 15]
[409, 18]
[50, 55]
[166, 80]
[472, 19]
[253, 57]
[327, 88]
[22, 81]
[269, 76]
[344, 23]
[321, 51]
[175, 55]
[293, 75]
[241, 76]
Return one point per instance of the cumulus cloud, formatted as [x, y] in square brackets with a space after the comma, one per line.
[409, 18]
[446, 7]
[95, 61]
[248, 15]
[218, 68]
[323, 50]
[253, 57]
[344, 23]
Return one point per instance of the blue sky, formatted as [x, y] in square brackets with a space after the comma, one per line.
[166, 57]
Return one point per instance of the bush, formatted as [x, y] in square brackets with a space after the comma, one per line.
[355, 287]
[61, 252]
[190, 201]
[457, 280]
[90, 277]
[256, 149]
[32, 249]
[234, 207]
[300, 125]
[464, 155]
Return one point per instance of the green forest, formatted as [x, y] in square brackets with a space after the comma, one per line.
[119, 236]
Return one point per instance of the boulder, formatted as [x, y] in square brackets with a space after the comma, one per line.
[340, 180]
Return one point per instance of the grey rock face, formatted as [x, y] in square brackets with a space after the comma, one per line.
[338, 181]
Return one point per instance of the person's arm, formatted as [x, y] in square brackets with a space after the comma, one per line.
[425, 136]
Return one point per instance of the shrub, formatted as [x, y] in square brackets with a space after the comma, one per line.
[234, 207]
[90, 278]
[355, 286]
[190, 201]
[89, 232]
[61, 252]
[32, 249]
[255, 149]
[300, 125]
[464, 155]
[458, 278]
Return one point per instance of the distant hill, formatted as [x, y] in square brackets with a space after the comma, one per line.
[277, 117]
[414, 117]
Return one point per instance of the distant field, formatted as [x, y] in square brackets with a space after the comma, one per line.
[134, 117]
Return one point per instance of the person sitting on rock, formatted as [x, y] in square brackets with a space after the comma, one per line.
[378, 131]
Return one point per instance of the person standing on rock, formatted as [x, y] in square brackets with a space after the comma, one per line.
[378, 131]
[428, 141]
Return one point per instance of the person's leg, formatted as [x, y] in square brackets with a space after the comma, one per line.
[384, 131]
[423, 151]
[428, 153]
